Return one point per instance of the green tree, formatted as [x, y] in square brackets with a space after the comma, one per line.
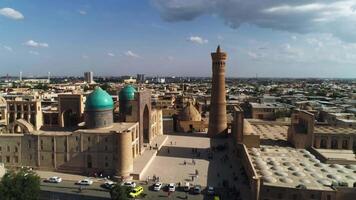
[119, 192]
[20, 185]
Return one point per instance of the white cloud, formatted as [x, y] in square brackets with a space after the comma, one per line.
[336, 17]
[131, 54]
[255, 55]
[34, 53]
[82, 12]
[35, 44]
[197, 40]
[8, 48]
[111, 54]
[11, 13]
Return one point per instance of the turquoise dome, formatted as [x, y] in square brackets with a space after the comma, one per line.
[127, 93]
[99, 99]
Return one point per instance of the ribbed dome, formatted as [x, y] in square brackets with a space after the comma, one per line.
[99, 99]
[127, 93]
[189, 113]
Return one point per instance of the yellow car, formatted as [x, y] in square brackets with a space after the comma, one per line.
[136, 191]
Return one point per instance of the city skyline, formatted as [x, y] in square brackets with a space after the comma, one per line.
[166, 38]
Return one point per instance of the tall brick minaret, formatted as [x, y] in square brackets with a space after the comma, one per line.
[217, 115]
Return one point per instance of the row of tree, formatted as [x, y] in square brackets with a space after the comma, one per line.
[24, 184]
[20, 185]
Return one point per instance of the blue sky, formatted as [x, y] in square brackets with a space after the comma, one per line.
[304, 38]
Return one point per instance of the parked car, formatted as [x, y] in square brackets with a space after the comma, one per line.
[129, 184]
[157, 186]
[197, 189]
[109, 184]
[217, 198]
[54, 179]
[137, 191]
[85, 182]
[171, 187]
[186, 186]
[210, 190]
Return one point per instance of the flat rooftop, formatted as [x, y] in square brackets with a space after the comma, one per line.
[270, 130]
[333, 130]
[116, 127]
[290, 167]
[338, 154]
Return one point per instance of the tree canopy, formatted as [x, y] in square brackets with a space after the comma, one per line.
[119, 192]
[20, 185]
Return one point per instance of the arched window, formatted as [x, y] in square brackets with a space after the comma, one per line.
[323, 143]
[334, 143]
[345, 144]
[89, 161]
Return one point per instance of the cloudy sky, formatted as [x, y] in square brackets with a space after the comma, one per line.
[269, 38]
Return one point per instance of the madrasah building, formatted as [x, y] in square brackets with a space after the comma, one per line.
[80, 135]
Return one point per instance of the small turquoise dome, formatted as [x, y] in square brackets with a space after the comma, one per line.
[127, 93]
[99, 99]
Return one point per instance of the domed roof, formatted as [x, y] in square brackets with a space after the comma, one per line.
[127, 93]
[189, 113]
[99, 99]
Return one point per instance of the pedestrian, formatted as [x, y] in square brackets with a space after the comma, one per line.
[193, 161]
[171, 143]
[185, 163]
[150, 147]
[168, 150]
[156, 146]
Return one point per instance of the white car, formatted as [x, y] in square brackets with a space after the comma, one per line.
[157, 186]
[129, 184]
[54, 179]
[109, 184]
[85, 182]
[171, 187]
[210, 190]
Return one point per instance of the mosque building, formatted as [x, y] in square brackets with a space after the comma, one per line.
[86, 138]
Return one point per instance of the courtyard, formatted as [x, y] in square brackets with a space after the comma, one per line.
[197, 159]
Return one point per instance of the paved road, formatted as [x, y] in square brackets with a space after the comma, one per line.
[95, 190]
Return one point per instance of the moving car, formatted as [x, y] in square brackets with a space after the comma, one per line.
[85, 182]
[157, 186]
[109, 184]
[137, 191]
[210, 190]
[54, 179]
[171, 187]
[197, 189]
[129, 184]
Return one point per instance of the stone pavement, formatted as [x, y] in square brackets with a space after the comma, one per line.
[142, 162]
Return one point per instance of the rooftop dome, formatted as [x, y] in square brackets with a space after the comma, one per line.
[189, 113]
[99, 99]
[127, 93]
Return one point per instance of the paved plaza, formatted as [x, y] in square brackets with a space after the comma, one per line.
[169, 165]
